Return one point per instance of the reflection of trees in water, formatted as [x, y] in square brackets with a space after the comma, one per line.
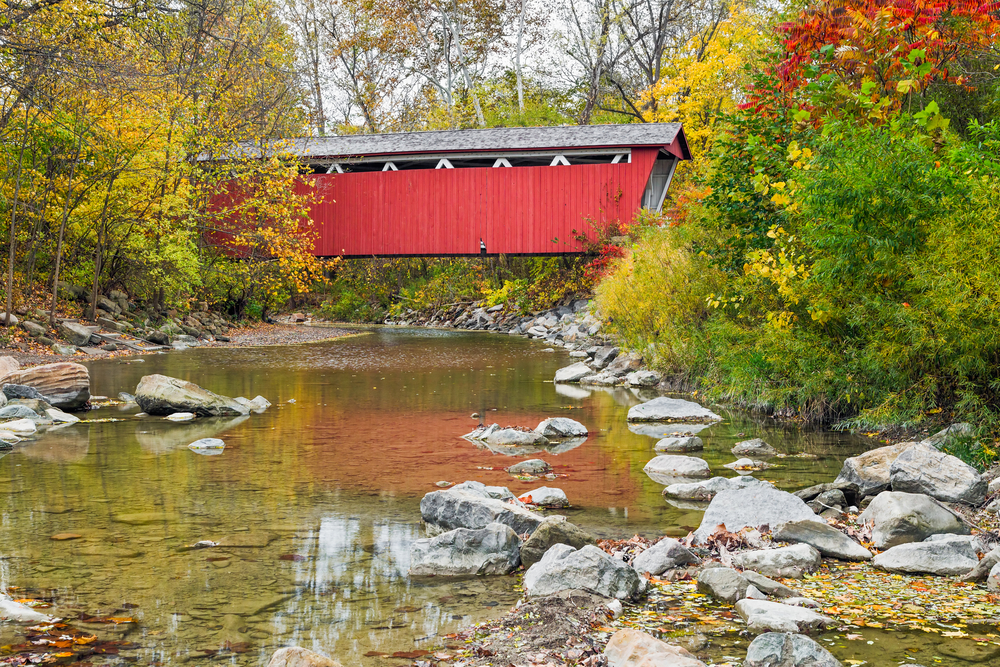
[67, 443]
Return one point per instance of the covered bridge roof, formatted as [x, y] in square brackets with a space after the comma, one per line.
[492, 140]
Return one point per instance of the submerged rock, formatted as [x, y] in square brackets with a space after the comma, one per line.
[671, 409]
[295, 656]
[588, 568]
[752, 507]
[209, 446]
[469, 505]
[786, 649]
[494, 549]
[924, 469]
[634, 648]
[765, 616]
[898, 518]
[162, 395]
[553, 530]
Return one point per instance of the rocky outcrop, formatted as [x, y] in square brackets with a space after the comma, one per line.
[924, 469]
[824, 538]
[756, 448]
[708, 489]
[898, 518]
[162, 395]
[785, 649]
[634, 648]
[671, 409]
[64, 385]
[665, 555]
[494, 549]
[553, 530]
[795, 561]
[765, 616]
[942, 557]
[668, 469]
[870, 471]
[588, 568]
[561, 427]
[470, 505]
[755, 506]
[295, 656]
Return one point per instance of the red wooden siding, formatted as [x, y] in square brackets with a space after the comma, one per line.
[519, 210]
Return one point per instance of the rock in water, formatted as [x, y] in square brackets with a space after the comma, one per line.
[162, 395]
[795, 561]
[514, 437]
[545, 496]
[824, 538]
[561, 427]
[494, 549]
[588, 569]
[469, 505]
[634, 648]
[642, 379]
[257, 406]
[924, 469]
[669, 469]
[898, 518]
[680, 444]
[764, 616]
[993, 578]
[778, 649]
[754, 507]
[768, 586]
[529, 467]
[723, 583]
[671, 409]
[755, 448]
[18, 612]
[870, 471]
[295, 656]
[15, 391]
[707, 489]
[665, 555]
[209, 446]
[20, 427]
[64, 385]
[942, 557]
[554, 530]
[573, 373]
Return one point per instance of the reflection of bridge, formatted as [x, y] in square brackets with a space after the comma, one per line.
[527, 191]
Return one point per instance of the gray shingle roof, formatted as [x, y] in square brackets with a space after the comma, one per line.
[492, 139]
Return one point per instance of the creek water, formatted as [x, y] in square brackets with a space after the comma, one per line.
[315, 502]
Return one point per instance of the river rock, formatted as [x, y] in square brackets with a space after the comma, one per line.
[723, 583]
[824, 538]
[494, 549]
[512, 437]
[785, 649]
[162, 395]
[553, 530]
[983, 567]
[15, 410]
[20, 426]
[65, 385]
[870, 471]
[665, 555]
[945, 436]
[257, 406]
[941, 557]
[469, 505]
[634, 648]
[794, 562]
[529, 467]
[993, 578]
[924, 469]
[671, 468]
[74, 333]
[604, 356]
[207, 446]
[16, 391]
[707, 489]
[768, 586]
[545, 496]
[753, 507]
[642, 379]
[849, 489]
[60, 417]
[296, 656]
[671, 409]
[17, 612]
[588, 569]
[765, 616]
[680, 444]
[573, 373]
[898, 518]
[755, 448]
[561, 427]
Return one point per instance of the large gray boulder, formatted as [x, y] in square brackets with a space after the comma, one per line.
[162, 395]
[553, 530]
[723, 583]
[823, 537]
[588, 568]
[795, 561]
[604, 356]
[870, 471]
[561, 427]
[786, 649]
[65, 385]
[74, 333]
[898, 518]
[752, 507]
[634, 648]
[668, 469]
[470, 505]
[942, 557]
[574, 372]
[707, 489]
[665, 555]
[765, 616]
[512, 437]
[756, 449]
[494, 549]
[924, 469]
[671, 409]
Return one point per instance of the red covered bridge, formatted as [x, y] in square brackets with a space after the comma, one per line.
[515, 191]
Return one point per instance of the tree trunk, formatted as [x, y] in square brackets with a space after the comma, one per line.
[13, 225]
[62, 233]
[517, 61]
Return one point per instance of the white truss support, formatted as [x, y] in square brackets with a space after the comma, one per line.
[335, 168]
[443, 163]
[501, 162]
[558, 160]
[389, 167]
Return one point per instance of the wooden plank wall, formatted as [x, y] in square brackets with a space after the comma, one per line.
[524, 210]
